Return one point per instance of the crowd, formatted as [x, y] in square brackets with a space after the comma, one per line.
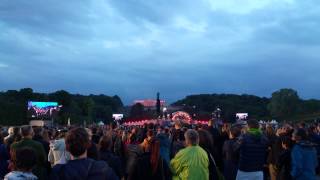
[182, 151]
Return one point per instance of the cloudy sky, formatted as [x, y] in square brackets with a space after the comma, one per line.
[135, 48]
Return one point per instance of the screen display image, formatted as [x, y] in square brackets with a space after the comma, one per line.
[42, 110]
[242, 116]
[117, 117]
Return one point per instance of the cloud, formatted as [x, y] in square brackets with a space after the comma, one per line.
[2, 65]
[135, 48]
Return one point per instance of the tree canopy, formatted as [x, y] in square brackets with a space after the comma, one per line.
[79, 108]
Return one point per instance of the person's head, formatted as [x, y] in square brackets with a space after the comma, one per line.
[61, 133]
[234, 132]
[151, 126]
[299, 135]
[270, 131]
[205, 139]
[77, 142]
[132, 138]
[24, 159]
[286, 142]
[210, 122]
[177, 125]
[10, 131]
[150, 134]
[89, 133]
[26, 131]
[302, 125]
[94, 130]
[253, 124]
[16, 130]
[154, 148]
[105, 143]
[38, 131]
[191, 137]
[134, 130]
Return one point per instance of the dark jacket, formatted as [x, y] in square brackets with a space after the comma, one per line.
[4, 157]
[83, 169]
[113, 161]
[218, 141]
[92, 151]
[40, 169]
[45, 144]
[95, 138]
[284, 166]
[231, 159]
[213, 169]
[143, 169]
[133, 151]
[252, 152]
[46, 147]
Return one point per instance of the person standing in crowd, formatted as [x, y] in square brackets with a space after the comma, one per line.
[218, 140]
[13, 137]
[150, 165]
[230, 157]
[58, 153]
[24, 160]
[191, 162]
[108, 156]
[80, 167]
[206, 143]
[303, 157]
[283, 165]
[132, 151]
[178, 140]
[92, 149]
[95, 136]
[252, 148]
[38, 136]
[26, 142]
[4, 157]
[274, 151]
[164, 145]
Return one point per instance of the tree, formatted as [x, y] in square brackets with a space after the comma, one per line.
[87, 109]
[284, 102]
[137, 111]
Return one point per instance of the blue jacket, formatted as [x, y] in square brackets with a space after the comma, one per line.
[304, 161]
[83, 169]
[164, 147]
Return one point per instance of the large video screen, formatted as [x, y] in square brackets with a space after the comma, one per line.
[242, 116]
[43, 110]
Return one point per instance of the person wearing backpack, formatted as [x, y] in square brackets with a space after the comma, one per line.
[80, 167]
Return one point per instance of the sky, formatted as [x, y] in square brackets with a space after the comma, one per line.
[136, 48]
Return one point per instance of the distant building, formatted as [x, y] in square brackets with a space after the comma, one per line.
[150, 103]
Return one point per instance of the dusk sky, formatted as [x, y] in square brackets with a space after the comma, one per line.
[135, 48]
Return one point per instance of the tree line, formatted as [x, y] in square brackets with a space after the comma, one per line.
[283, 104]
[79, 108]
